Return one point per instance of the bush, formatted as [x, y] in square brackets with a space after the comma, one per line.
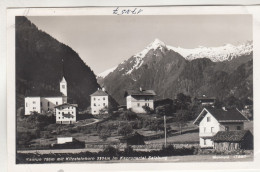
[129, 115]
[125, 130]
[110, 151]
[147, 109]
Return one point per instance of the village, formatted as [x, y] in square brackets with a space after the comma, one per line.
[144, 123]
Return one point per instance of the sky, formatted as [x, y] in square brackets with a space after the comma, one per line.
[105, 41]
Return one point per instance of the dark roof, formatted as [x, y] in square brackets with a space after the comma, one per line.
[230, 136]
[140, 93]
[99, 93]
[227, 115]
[66, 105]
[231, 115]
[44, 93]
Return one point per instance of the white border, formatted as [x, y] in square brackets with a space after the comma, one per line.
[202, 10]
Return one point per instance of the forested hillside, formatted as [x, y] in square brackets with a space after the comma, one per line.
[39, 66]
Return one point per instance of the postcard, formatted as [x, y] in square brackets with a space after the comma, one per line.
[145, 88]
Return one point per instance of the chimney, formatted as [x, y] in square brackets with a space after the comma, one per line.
[141, 89]
[103, 89]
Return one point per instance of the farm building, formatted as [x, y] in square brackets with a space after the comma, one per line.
[212, 120]
[233, 140]
[136, 99]
[68, 143]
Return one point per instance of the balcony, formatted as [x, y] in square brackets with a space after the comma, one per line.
[207, 134]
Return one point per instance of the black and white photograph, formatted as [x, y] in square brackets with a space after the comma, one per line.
[136, 88]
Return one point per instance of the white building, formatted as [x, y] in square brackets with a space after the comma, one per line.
[136, 99]
[99, 100]
[45, 102]
[66, 113]
[62, 140]
[211, 121]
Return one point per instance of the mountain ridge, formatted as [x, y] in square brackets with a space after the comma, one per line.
[169, 73]
[215, 54]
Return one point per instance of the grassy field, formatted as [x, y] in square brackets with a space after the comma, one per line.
[188, 137]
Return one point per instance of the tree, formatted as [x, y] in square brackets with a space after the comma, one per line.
[129, 115]
[181, 118]
[147, 109]
[164, 110]
[182, 101]
[125, 130]
[104, 131]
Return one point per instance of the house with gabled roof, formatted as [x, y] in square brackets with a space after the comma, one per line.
[136, 99]
[233, 140]
[66, 113]
[212, 120]
[99, 101]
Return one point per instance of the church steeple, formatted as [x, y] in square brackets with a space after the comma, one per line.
[63, 83]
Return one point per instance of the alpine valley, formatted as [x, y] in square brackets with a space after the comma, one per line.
[218, 72]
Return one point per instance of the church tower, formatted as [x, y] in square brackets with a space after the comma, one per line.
[63, 83]
[63, 86]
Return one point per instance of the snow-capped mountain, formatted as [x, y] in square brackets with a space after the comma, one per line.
[106, 72]
[215, 54]
[215, 71]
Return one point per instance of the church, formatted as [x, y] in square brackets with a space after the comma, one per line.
[46, 103]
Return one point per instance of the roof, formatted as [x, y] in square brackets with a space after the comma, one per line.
[231, 115]
[63, 79]
[66, 105]
[140, 93]
[99, 93]
[230, 136]
[44, 93]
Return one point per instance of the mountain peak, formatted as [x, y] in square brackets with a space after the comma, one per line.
[152, 46]
[157, 43]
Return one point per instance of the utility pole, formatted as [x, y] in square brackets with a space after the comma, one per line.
[165, 132]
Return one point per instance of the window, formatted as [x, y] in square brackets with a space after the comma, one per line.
[56, 103]
[138, 104]
[104, 104]
[226, 128]
[94, 98]
[59, 117]
[34, 102]
[63, 86]
[205, 129]
[48, 104]
[48, 109]
[205, 142]
[94, 104]
[26, 105]
[212, 129]
[59, 112]
[208, 119]
[104, 98]
[238, 127]
[94, 111]
[34, 107]
[145, 104]
[41, 104]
